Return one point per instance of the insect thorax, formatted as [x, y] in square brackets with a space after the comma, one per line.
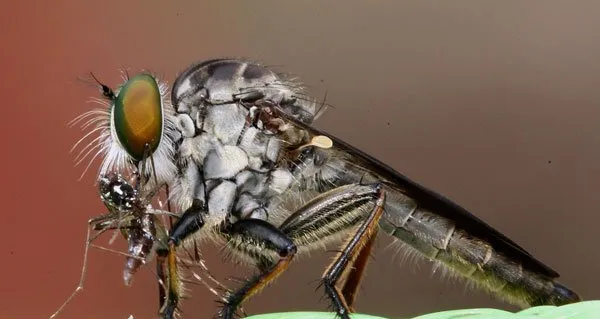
[232, 150]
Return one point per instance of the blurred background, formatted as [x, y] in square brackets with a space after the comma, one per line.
[493, 104]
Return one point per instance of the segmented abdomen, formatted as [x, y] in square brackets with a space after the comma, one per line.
[438, 239]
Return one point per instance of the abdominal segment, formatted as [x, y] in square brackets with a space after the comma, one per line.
[438, 239]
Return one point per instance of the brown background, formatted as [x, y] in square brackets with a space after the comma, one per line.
[494, 104]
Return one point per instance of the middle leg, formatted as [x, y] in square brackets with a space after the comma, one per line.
[327, 216]
[258, 239]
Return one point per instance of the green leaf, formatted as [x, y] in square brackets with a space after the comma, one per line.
[580, 310]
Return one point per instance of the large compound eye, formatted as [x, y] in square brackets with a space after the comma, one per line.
[138, 116]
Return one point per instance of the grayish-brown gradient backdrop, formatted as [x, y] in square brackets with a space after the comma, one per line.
[493, 104]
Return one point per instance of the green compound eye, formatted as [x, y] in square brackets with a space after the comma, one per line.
[138, 116]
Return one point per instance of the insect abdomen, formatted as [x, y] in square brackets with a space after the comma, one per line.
[438, 239]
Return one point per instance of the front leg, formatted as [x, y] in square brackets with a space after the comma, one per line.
[258, 238]
[190, 222]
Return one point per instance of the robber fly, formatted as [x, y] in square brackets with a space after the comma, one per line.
[245, 167]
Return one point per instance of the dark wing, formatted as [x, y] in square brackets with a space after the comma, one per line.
[436, 203]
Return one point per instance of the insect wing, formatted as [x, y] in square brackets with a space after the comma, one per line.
[428, 199]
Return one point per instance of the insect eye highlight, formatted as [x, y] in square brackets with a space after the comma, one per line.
[138, 116]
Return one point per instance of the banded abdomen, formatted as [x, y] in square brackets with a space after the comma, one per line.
[437, 238]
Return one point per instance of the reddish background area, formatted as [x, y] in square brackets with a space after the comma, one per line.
[494, 105]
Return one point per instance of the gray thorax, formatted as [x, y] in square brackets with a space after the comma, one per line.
[227, 155]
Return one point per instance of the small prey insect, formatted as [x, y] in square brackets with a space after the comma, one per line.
[146, 234]
[236, 146]
[128, 215]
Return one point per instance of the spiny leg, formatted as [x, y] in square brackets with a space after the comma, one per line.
[259, 238]
[331, 213]
[356, 273]
[161, 259]
[326, 215]
[172, 293]
[190, 222]
[352, 250]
